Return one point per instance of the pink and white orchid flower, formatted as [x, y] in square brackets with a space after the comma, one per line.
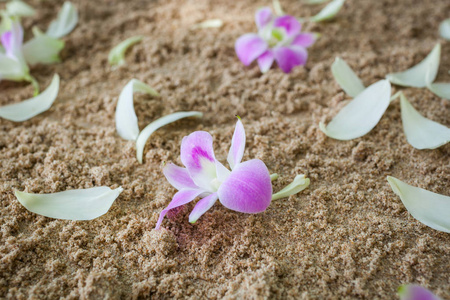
[415, 292]
[12, 62]
[247, 188]
[278, 38]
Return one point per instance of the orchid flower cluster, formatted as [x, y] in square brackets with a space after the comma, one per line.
[247, 188]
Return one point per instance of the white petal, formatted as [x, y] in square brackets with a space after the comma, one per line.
[213, 23]
[329, 11]
[420, 74]
[362, 114]
[346, 78]
[429, 208]
[441, 89]
[19, 9]
[83, 204]
[315, 1]
[444, 29]
[421, 132]
[116, 56]
[299, 183]
[155, 125]
[42, 49]
[277, 8]
[126, 119]
[11, 69]
[29, 108]
[65, 22]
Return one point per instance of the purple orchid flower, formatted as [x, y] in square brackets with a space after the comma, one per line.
[278, 38]
[12, 61]
[247, 188]
[415, 292]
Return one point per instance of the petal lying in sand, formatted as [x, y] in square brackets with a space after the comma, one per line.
[441, 89]
[299, 184]
[77, 205]
[27, 109]
[427, 207]
[346, 78]
[421, 74]
[65, 22]
[18, 8]
[329, 11]
[42, 49]
[213, 23]
[415, 292]
[362, 114]
[155, 125]
[444, 29]
[116, 56]
[422, 133]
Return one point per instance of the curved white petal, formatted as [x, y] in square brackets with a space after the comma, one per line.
[42, 49]
[29, 108]
[329, 11]
[422, 133]
[65, 22]
[277, 8]
[421, 74]
[299, 183]
[362, 114]
[155, 125]
[83, 204]
[444, 29]
[441, 89]
[19, 9]
[429, 208]
[346, 78]
[126, 119]
[116, 56]
[212, 23]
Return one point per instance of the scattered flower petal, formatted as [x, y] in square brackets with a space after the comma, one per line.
[346, 78]
[427, 207]
[415, 292]
[422, 133]
[299, 183]
[329, 11]
[65, 22]
[116, 56]
[42, 49]
[213, 23]
[316, 1]
[444, 29]
[155, 125]
[277, 8]
[77, 205]
[29, 108]
[441, 89]
[362, 114]
[421, 74]
[18, 8]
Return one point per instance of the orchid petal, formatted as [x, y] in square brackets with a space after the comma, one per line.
[19, 9]
[249, 47]
[362, 114]
[441, 89]
[222, 172]
[29, 108]
[178, 177]
[444, 29]
[126, 119]
[182, 197]
[346, 78]
[304, 39]
[263, 17]
[213, 23]
[290, 24]
[290, 57]
[277, 8]
[427, 207]
[197, 155]
[77, 205]
[6, 40]
[155, 125]
[65, 22]
[202, 206]
[42, 49]
[265, 61]
[422, 133]
[248, 189]
[329, 11]
[237, 145]
[116, 56]
[299, 183]
[421, 74]
[415, 292]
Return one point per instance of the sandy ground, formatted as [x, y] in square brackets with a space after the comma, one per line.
[347, 236]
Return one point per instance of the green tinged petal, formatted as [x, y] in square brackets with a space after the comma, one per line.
[116, 56]
[329, 11]
[444, 29]
[65, 22]
[42, 49]
[299, 183]
[19, 9]
[346, 78]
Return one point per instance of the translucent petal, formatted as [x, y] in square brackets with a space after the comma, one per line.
[19, 9]
[42, 49]
[421, 74]
[346, 78]
[444, 29]
[441, 89]
[29, 108]
[213, 23]
[429, 208]
[116, 56]
[202, 206]
[126, 119]
[362, 114]
[237, 148]
[299, 183]
[155, 125]
[83, 204]
[65, 22]
[422, 133]
[329, 11]
[415, 292]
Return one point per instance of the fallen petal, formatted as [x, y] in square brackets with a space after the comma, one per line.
[329, 11]
[42, 49]
[65, 22]
[237, 148]
[362, 114]
[444, 29]
[19, 9]
[429, 208]
[346, 78]
[213, 23]
[290, 57]
[83, 204]
[249, 47]
[155, 125]
[116, 56]
[422, 133]
[277, 8]
[299, 183]
[178, 177]
[421, 74]
[415, 292]
[10, 69]
[441, 89]
[202, 206]
[29, 108]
